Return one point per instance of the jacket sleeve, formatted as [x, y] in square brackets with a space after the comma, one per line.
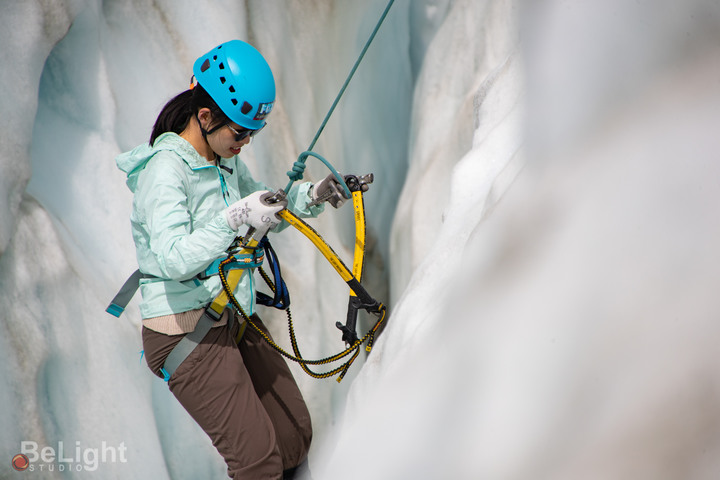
[180, 247]
[299, 199]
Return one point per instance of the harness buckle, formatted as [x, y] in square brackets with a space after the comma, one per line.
[215, 316]
[244, 260]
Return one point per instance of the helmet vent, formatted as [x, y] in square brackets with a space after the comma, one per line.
[232, 89]
[245, 109]
[205, 65]
[221, 66]
[234, 101]
[214, 57]
[222, 80]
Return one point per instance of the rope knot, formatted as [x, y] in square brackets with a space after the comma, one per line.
[297, 171]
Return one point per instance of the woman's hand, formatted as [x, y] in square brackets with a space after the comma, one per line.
[255, 211]
[329, 190]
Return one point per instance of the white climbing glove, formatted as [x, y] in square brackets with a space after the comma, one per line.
[255, 211]
[329, 190]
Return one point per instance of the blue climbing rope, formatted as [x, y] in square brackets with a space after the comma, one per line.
[299, 166]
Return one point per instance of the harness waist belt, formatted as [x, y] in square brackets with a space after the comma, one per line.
[241, 260]
[127, 291]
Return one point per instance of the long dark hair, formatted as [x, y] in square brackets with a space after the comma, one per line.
[176, 113]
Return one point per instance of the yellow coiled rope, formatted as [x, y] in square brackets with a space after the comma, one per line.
[353, 349]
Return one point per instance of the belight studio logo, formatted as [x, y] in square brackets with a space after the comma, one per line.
[20, 462]
[64, 458]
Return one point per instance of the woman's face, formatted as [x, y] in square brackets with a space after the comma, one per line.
[223, 141]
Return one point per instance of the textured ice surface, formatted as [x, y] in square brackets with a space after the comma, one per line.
[542, 223]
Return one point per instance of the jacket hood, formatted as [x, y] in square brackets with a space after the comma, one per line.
[134, 161]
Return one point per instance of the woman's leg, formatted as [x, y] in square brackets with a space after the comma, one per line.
[214, 386]
[279, 394]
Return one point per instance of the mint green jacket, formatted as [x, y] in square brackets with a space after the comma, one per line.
[179, 226]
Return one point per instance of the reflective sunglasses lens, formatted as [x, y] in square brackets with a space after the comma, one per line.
[244, 133]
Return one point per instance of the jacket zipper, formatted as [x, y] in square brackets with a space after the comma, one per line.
[223, 185]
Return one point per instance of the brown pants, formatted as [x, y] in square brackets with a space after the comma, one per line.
[244, 397]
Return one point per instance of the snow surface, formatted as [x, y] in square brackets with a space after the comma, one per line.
[542, 221]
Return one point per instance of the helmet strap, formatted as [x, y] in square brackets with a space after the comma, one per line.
[204, 132]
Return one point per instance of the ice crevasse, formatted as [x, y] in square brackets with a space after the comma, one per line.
[542, 226]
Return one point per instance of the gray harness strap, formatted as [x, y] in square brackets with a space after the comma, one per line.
[191, 340]
[123, 297]
[188, 343]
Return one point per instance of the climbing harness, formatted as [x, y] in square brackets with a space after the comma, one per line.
[249, 260]
[239, 259]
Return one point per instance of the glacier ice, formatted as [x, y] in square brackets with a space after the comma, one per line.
[551, 265]
[42, 24]
[575, 340]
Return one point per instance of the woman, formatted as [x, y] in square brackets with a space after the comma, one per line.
[191, 195]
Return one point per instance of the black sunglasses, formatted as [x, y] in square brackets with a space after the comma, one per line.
[244, 132]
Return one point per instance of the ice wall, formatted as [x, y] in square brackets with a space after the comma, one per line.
[468, 86]
[22, 57]
[578, 338]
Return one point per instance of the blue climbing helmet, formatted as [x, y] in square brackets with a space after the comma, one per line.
[240, 81]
